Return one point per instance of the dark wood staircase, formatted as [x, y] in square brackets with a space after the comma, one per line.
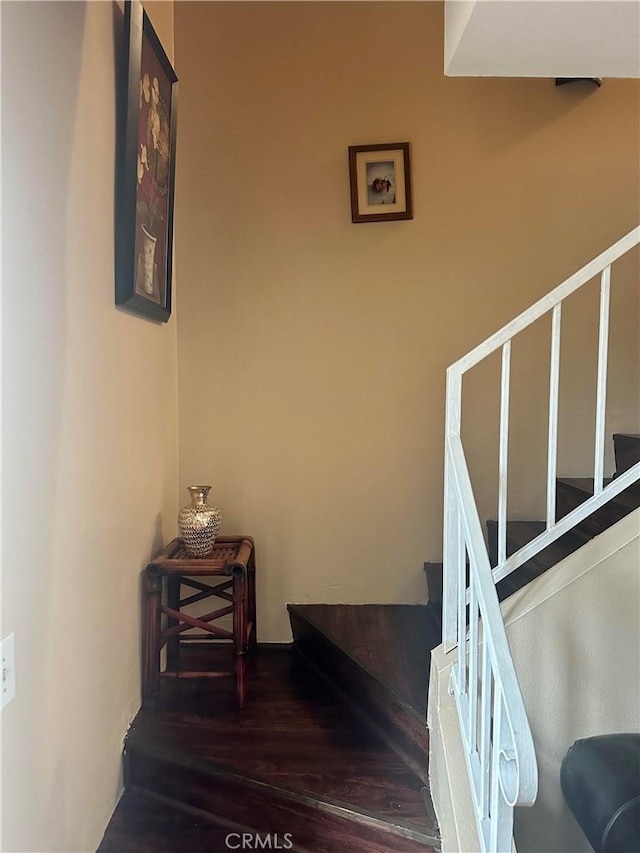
[376, 658]
[570, 493]
[330, 752]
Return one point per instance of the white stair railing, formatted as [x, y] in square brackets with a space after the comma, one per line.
[499, 749]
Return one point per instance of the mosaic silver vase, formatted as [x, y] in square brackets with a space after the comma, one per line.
[199, 523]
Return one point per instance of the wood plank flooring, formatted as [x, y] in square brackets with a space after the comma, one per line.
[294, 759]
[145, 823]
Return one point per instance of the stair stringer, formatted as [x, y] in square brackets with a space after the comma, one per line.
[448, 779]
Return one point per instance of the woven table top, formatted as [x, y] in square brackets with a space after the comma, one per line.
[229, 552]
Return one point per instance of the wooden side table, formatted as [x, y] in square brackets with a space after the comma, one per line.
[233, 557]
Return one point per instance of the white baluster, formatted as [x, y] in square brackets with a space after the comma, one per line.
[473, 665]
[485, 731]
[601, 395]
[460, 562]
[554, 388]
[503, 476]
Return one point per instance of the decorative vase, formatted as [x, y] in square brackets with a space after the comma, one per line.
[199, 523]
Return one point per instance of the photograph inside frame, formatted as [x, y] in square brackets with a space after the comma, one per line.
[381, 181]
[153, 177]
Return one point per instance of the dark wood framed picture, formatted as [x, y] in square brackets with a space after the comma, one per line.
[148, 100]
[380, 177]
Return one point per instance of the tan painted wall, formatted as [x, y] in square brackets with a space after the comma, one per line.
[89, 431]
[312, 352]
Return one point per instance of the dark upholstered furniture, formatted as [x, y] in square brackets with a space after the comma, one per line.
[600, 779]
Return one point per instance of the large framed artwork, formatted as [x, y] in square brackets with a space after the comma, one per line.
[148, 100]
[380, 182]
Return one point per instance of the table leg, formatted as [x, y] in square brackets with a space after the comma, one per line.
[173, 600]
[251, 579]
[152, 587]
[240, 633]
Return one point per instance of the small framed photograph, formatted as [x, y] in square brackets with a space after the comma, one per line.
[146, 169]
[380, 177]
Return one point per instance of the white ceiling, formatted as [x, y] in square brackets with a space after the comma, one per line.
[542, 38]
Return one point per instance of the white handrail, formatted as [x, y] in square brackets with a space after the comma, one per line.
[542, 306]
[499, 750]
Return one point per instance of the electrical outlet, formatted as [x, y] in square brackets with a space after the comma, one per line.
[8, 669]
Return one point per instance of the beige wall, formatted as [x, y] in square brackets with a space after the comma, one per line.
[89, 430]
[312, 352]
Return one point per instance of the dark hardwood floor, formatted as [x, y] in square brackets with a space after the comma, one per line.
[296, 759]
[146, 823]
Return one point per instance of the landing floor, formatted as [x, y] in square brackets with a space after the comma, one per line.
[293, 735]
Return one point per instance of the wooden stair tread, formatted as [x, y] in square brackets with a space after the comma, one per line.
[391, 642]
[433, 572]
[627, 450]
[292, 738]
[144, 823]
[583, 486]
[520, 533]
